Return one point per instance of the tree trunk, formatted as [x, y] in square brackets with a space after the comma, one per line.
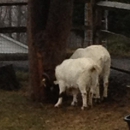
[48, 28]
[37, 17]
[56, 34]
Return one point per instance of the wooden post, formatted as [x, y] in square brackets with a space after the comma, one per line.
[35, 25]
[36, 71]
[96, 19]
[98, 26]
[56, 34]
[87, 22]
[93, 21]
[48, 29]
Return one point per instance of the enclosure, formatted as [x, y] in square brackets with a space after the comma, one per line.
[93, 22]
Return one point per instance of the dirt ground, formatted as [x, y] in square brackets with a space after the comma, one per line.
[108, 115]
[19, 113]
[105, 116]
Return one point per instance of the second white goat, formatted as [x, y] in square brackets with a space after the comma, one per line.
[82, 74]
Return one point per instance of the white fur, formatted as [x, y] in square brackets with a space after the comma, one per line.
[102, 57]
[82, 74]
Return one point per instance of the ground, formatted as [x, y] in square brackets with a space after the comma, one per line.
[18, 112]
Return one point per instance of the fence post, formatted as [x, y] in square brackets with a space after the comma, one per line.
[87, 22]
[95, 22]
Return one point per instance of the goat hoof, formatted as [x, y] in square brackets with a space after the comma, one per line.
[83, 107]
[90, 106]
[56, 106]
[96, 100]
[104, 99]
[74, 104]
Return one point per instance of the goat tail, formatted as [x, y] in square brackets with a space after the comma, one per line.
[96, 68]
[95, 71]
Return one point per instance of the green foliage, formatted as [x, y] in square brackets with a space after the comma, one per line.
[118, 46]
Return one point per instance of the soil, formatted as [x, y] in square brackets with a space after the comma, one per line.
[18, 113]
[108, 115]
[119, 81]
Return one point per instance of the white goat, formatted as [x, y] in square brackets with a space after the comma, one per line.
[82, 74]
[102, 57]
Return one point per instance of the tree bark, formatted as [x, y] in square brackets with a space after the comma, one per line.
[36, 23]
[56, 34]
[48, 28]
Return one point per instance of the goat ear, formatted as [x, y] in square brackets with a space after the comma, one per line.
[97, 68]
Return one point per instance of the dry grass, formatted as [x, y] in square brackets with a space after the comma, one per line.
[17, 112]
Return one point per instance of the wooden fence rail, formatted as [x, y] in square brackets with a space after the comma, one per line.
[121, 70]
[13, 3]
[113, 5]
[13, 57]
[21, 29]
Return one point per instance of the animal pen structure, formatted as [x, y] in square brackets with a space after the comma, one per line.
[36, 25]
[13, 53]
[93, 23]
